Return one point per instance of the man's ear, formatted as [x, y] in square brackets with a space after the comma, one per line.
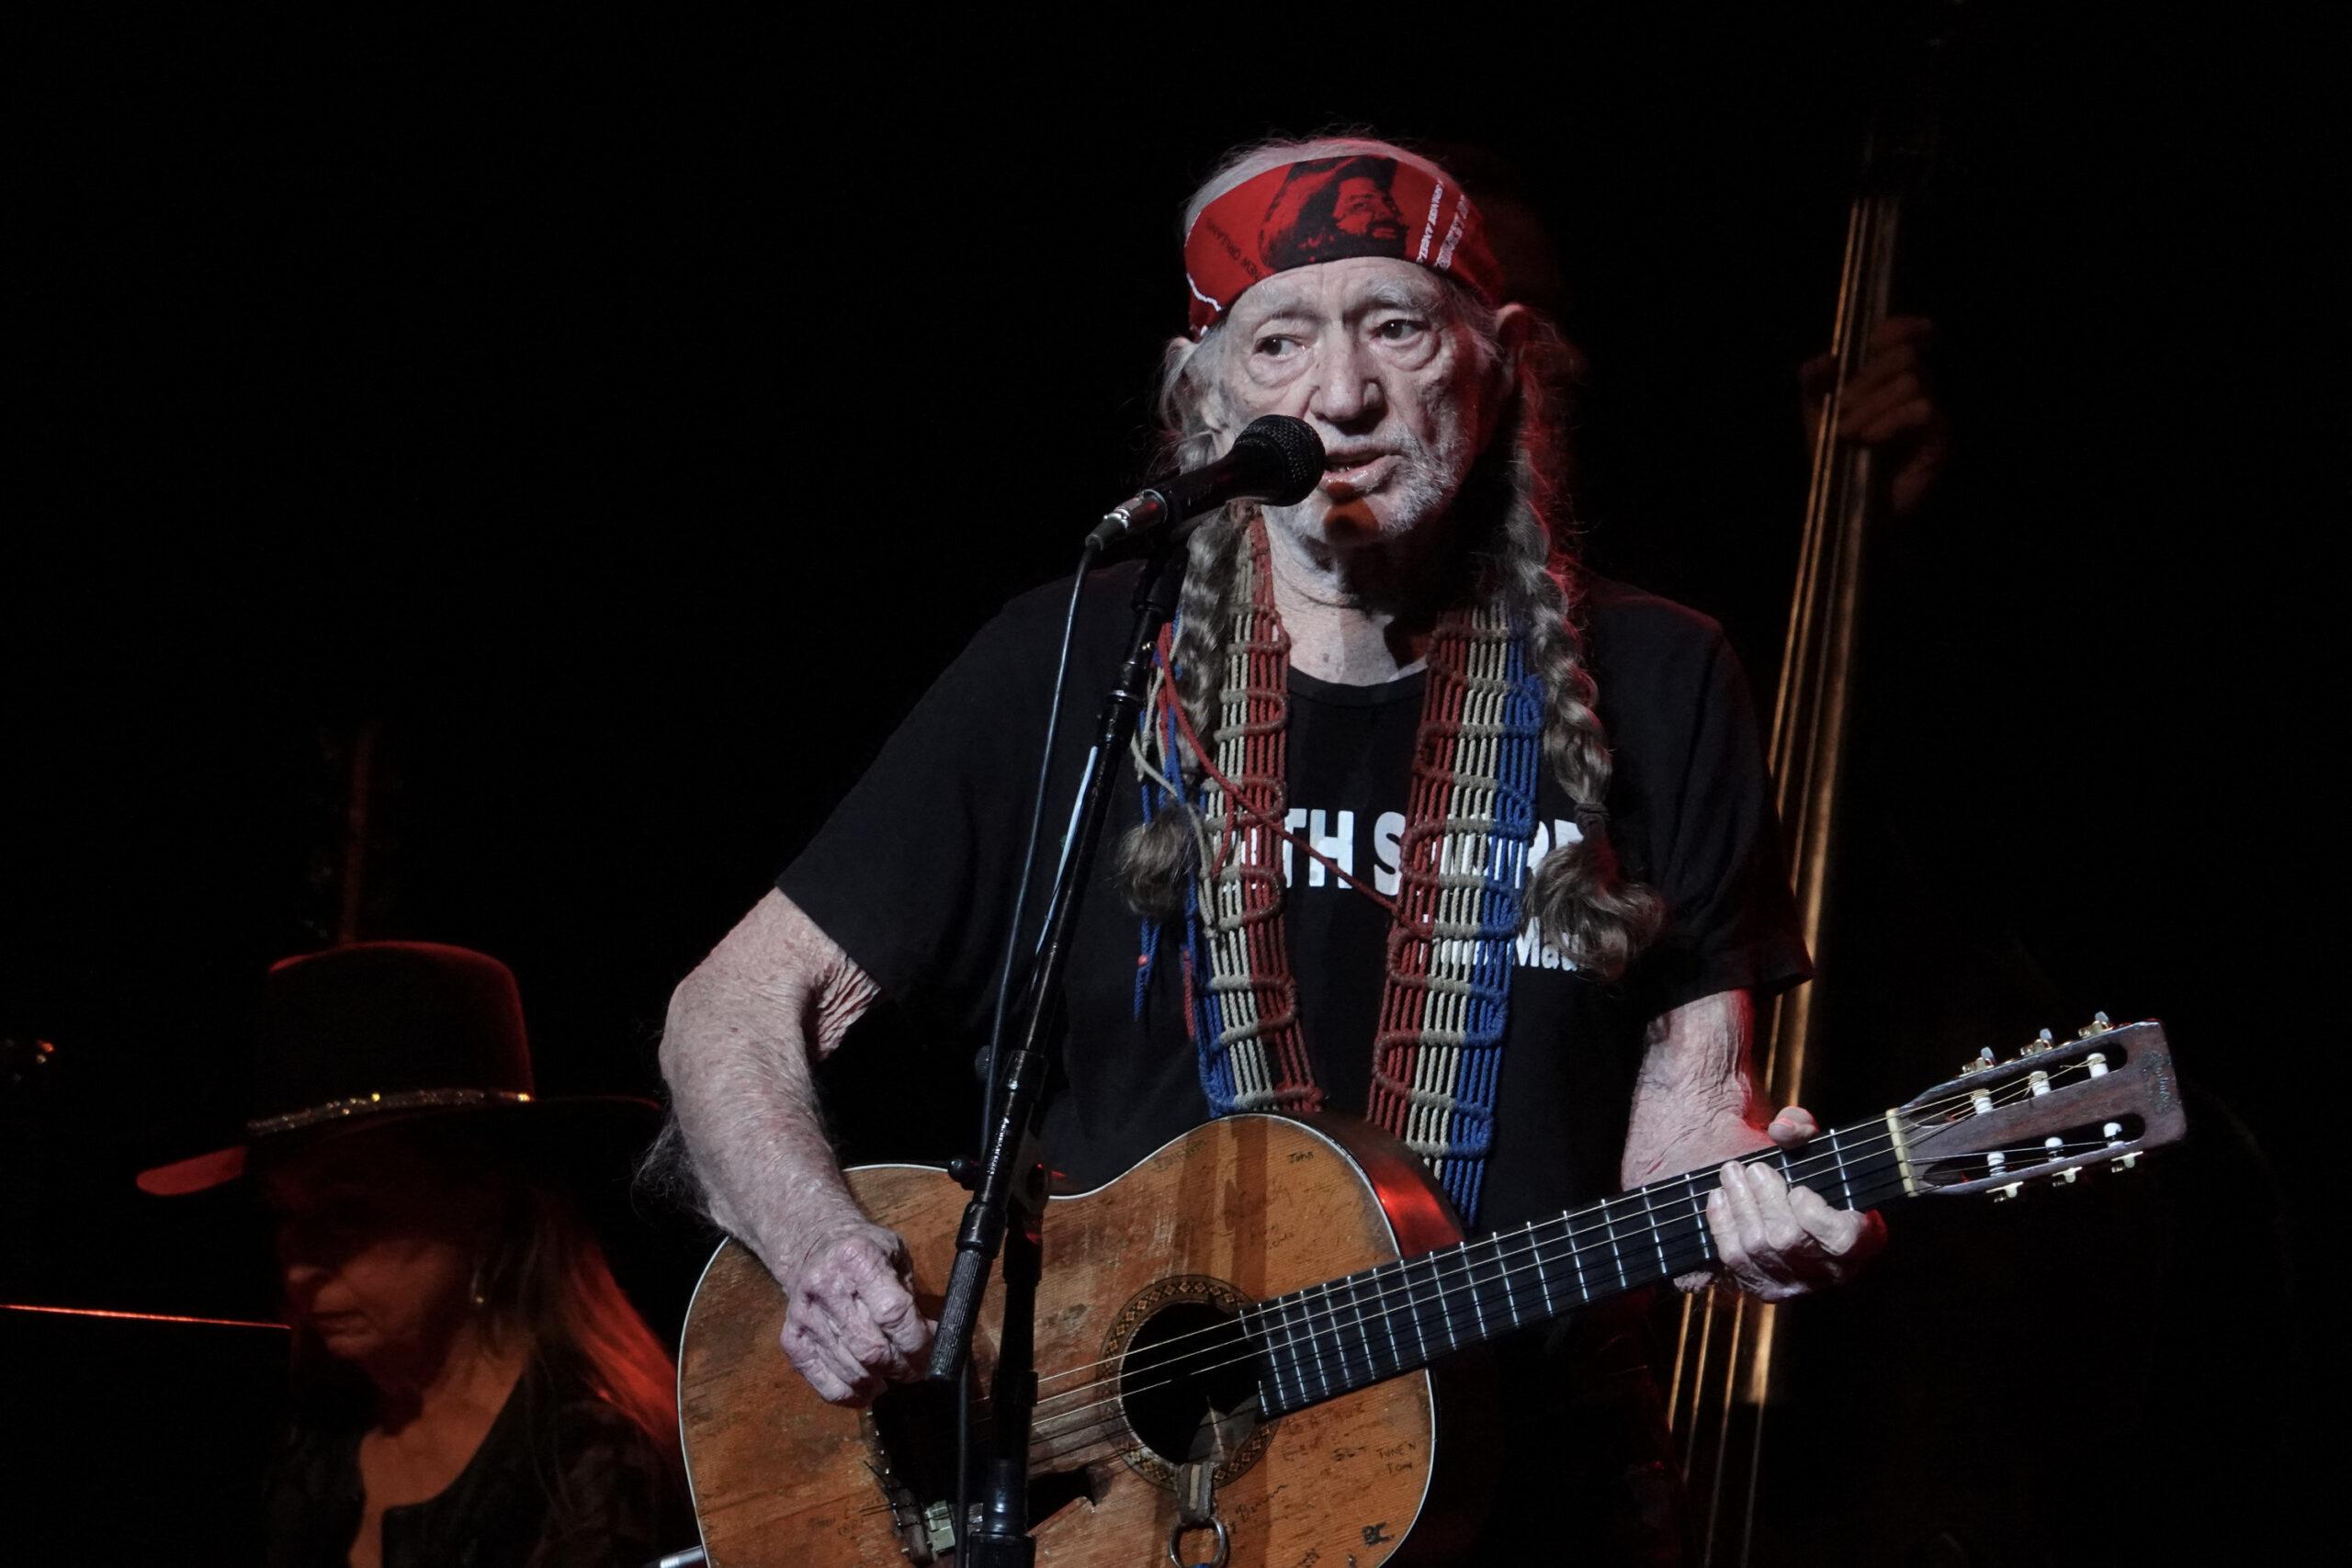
[1513, 324]
[1195, 385]
[1514, 327]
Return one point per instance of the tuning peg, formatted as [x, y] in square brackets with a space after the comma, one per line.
[2003, 1194]
[2056, 1148]
[2041, 1042]
[2113, 1133]
[1979, 1063]
[1979, 1100]
[2097, 1025]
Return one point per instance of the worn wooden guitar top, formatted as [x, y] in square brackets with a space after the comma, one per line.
[1240, 1211]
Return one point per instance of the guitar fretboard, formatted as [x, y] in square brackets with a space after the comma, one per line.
[1346, 1334]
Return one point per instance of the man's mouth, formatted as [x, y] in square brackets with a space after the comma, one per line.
[1352, 473]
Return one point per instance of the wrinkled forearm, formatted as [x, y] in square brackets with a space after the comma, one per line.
[737, 1051]
[1695, 1102]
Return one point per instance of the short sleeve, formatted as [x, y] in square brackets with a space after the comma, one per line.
[1696, 795]
[913, 874]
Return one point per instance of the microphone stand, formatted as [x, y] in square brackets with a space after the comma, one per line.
[1008, 1182]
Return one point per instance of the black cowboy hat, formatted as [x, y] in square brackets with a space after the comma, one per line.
[363, 1035]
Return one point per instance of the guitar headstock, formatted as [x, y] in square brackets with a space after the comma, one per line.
[2104, 1098]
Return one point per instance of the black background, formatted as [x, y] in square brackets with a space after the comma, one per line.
[621, 425]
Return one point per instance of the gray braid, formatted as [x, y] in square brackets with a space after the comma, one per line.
[1156, 859]
[1578, 896]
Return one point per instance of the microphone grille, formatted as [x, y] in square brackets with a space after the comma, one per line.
[1293, 445]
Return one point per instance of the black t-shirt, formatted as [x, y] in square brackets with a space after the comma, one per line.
[913, 876]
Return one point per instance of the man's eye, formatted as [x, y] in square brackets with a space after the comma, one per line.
[1398, 328]
[1275, 348]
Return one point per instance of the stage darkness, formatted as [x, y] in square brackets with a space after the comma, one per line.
[614, 432]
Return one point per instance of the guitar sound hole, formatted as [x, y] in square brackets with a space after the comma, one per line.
[1189, 1382]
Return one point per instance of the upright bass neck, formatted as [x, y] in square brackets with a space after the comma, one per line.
[1813, 697]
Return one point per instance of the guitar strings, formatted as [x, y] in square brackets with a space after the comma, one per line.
[1695, 1245]
[1334, 1320]
[1811, 1162]
[1068, 1426]
[1337, 1319]
[1313, 1321]
[1073, 1431]
[1313, 1324]
[1310, 1328]
[1069, 1434]
[1442, 1272]
[1660, 1234]
[1258, 1311]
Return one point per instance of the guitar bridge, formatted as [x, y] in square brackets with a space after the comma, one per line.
[909, 1435]
[939, 1528]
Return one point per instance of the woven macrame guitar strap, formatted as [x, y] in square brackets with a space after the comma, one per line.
[1438, 1052]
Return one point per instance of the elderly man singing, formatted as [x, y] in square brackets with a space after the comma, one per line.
[1316, 680]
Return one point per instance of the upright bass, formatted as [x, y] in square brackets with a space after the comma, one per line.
[1721, 1383]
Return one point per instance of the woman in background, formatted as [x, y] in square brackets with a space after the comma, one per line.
[471, 1387]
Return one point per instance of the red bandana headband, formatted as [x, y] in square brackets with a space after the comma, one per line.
[1359, 203]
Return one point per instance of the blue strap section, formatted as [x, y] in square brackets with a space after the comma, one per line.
[1208, 1013]
[1470, 1125]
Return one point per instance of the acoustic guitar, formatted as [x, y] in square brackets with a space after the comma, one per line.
[1247, 1345]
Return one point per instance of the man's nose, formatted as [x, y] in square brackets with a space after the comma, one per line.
[1347, 393]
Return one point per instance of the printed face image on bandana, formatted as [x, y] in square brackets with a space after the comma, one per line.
[1330, 209]
[1363, 204]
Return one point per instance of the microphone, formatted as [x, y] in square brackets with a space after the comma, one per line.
[1275, 458]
